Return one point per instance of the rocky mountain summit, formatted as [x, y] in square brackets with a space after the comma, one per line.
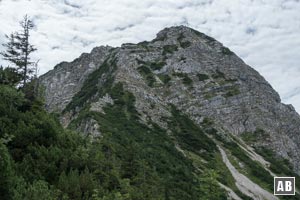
[211, 105]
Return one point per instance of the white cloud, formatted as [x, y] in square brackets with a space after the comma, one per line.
[265, 33]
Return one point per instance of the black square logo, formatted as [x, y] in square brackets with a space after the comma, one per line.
[284, 185]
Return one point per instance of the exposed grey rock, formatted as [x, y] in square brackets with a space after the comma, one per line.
[207, 80]
[61, 83]
[102, 102]
[89, 127]
[246, 185]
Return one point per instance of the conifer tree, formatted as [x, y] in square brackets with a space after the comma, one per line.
[9, 76]
[18, 49]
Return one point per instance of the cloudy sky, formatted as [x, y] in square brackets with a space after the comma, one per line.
[264, 33]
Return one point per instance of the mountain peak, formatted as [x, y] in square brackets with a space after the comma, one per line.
[180, 71]
[176, 32]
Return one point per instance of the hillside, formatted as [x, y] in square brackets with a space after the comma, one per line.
[178, 117]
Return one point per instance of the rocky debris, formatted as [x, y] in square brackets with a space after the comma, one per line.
[244, 184]
[231, 193]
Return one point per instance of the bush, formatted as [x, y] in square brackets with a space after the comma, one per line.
[227, 51]
[232, 92]
[186, 80]
[183, 44]
[169, 49]
[202, 77]
[165, 78]
[147, 74]
[218, 75]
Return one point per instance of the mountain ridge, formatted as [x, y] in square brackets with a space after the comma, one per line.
[190, 72]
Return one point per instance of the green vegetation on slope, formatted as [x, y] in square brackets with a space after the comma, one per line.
[144, 155]
[183, 43]
[152, 65]
[202, 77]
[131, 160]
[251, 168]
[201, 149]
[147, 74]
[36, 150]
[280, 167]
[92, 85]
[226, 51]
[252, 137]
[169, 49]
[165, 78]
[186, 80]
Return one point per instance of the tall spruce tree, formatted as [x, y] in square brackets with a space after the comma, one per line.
[18, 49]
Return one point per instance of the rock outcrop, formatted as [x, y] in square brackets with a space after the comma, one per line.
[189, 70]
[66, 79]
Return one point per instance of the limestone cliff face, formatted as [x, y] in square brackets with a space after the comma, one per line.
[61, 83]
[208, 80]
[191, 71]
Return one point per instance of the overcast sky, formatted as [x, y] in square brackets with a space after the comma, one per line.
[264, 33]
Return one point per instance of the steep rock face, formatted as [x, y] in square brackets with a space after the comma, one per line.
[61, 83]
[190, 71]
[208, 80]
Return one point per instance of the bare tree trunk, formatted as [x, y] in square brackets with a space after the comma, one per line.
[26, 31]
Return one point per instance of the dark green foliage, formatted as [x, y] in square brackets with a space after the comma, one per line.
[187, 81]
[218, 75]
[182, 58]
[185, 78]
[169, 49]
[131, 160]
[165, 78]
[9, 76]
[97, 81]
[183, 43]
[35, 148]
[209, 186]
[234, 90]
[227, 51]
[152, 65]
[145, 70]
[218, 165]
[278, 165]
[252, 137]
[190, 136]
[157, 65]
[6, 173]
[35, 191]
[18, 50]
[77, 184]
[223, 174]
[254, 169]
[144, 156]
[11, 101]
[202, 77]
[144, 45]
[147, 74]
